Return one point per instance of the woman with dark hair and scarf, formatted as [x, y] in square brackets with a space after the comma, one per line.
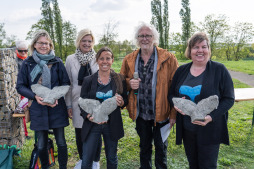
[45, 68]
[79, 65]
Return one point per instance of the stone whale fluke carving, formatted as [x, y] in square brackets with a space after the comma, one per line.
[99, 111]
[50, 95]
[197, 111]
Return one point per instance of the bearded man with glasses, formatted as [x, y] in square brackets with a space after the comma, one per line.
[148, 105]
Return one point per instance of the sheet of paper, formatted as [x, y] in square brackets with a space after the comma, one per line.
[165, 130]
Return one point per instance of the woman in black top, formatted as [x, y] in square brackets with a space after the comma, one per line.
[196, 81]
[100, 86]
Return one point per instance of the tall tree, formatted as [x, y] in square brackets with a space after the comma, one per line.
[35, 27]
[58, 26]
[176, 45]
[10, 41]
[157, 19]
[186, 22]
[6, 41]
[243, 34]
[47, 15]
[228, 46]
[165, 25]
[69, 35]
[109, 36]
[215, 26]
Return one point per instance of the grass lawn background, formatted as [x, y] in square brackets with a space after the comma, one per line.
[239, 154]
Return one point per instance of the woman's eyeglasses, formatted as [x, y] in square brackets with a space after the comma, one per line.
[20, 51]
[42, 43]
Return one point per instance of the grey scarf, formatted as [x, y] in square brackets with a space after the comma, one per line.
[41, 66]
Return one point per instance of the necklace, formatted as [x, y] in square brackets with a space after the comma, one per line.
[105, 84]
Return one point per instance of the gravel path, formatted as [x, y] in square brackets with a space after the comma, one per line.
[243, 77]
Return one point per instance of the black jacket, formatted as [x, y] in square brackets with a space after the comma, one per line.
[44, 117]
[88, 91]
[217, 81]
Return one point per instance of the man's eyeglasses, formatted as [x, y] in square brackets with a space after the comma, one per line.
[20, 51]
[42, 43]
[145, 36]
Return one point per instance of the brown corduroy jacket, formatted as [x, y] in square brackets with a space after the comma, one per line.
[166, 67]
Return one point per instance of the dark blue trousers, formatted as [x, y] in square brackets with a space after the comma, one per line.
[200, 156]
[61, 147]
[80, 145]
[93, 140]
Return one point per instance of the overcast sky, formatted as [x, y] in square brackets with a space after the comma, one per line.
[19, 15]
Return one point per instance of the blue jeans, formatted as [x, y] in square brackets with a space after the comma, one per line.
[90, 147]
[80, 145]
[61, 146]
[147, 133]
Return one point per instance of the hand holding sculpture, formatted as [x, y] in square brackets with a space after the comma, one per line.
[197, 111]
[48, 95]
[99, 111]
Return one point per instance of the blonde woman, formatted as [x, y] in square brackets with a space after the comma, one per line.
[44, 65]
[78, 65]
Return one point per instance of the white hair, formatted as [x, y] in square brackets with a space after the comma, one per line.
[21, 44]
[155, 33]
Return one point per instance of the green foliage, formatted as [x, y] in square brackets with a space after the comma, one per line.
[35, 27]
[238, 84]
[215, 26]
[245, 66]
[120, 49]
[69, 36]
[160, 21]
[62, 33]
[243, 33]
[176, 45]
[6, 41]
[109, 35]
[58, 26]
[225, 162]
[165, 24]
[47, 15]
[186, 23]
[2, 34]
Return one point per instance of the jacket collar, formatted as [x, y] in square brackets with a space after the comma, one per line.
[162, 57]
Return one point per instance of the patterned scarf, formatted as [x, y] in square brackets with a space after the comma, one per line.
[41, 66]
[84, 58]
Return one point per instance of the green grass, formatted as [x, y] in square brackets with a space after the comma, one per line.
[245, 66]
[239, 155]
